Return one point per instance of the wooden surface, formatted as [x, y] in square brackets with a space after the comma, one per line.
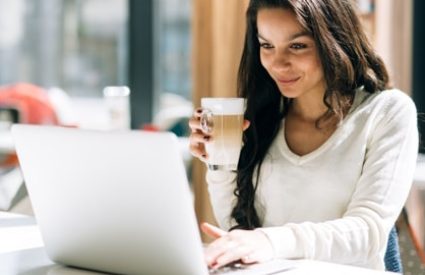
[218, 30]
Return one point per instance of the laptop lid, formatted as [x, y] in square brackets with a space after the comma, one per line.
[111, 201]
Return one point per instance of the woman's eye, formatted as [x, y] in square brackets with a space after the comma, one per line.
[266, 45]
[298, 46]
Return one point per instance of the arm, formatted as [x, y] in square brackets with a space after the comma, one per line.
[221, 185]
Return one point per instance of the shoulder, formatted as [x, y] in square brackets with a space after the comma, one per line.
[381, 110]
[394, 96]
[390, 101]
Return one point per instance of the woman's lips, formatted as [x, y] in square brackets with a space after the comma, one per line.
[287, 81]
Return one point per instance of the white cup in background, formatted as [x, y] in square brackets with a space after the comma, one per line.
[117, 99]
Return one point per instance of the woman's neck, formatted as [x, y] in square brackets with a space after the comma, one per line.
[308, 108]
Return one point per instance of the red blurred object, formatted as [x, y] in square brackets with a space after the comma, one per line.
[33, 106]
[32, 103]
[150, 127]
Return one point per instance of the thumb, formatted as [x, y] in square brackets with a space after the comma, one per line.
[212, 231]
[246, 124]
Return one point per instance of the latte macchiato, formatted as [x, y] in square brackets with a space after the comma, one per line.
[222, 119]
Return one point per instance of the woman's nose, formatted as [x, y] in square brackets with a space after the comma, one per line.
[281, 61]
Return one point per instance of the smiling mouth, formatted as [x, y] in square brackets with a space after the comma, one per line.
[288, 81]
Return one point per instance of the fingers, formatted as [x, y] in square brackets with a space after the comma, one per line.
[250, 258]
[212, 231]
[197, 145]
[195, 121]
[197, 139]
[198, 151]
[225, 250]
[216, 249]
[195, 124]
[234, 254]
[248, 246]
[246, 124]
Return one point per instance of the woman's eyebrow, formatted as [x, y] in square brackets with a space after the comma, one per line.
[300, 34]
[292, 37]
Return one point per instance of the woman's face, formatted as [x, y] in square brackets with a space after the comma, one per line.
[289, 54]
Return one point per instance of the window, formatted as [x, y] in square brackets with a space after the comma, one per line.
[173, 49]
[172, 65]
[77, 45]
[81, 46]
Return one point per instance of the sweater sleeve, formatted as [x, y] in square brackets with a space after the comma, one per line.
[378, 198]
[221, 185]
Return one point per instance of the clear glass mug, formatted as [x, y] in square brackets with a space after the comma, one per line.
[222, 119]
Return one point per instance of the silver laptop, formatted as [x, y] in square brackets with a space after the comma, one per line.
[116, 202]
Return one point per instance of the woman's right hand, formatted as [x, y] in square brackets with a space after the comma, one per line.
[198, 138]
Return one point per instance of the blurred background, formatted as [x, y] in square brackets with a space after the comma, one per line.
[169, 53]
[82, 46]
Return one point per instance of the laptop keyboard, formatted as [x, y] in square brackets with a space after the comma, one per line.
[272, 267]
[233, 267]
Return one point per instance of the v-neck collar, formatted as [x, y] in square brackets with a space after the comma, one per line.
[300, 160]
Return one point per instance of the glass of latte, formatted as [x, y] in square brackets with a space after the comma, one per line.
[222, 119]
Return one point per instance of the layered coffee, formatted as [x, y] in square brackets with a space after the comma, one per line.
[223, 120]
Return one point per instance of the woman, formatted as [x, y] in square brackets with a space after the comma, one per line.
[329, 150]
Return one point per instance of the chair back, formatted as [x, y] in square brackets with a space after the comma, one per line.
[392, 257]
[411, 250]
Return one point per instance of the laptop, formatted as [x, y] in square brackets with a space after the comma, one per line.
[116, 202]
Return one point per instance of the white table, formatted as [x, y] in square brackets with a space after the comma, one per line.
[22, 252]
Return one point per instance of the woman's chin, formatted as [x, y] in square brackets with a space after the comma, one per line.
[289, 93]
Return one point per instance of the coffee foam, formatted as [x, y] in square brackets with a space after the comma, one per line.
[224, 106]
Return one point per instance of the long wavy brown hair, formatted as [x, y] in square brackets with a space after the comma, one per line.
[348, 61]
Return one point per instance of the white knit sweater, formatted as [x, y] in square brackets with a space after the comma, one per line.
[339, 202]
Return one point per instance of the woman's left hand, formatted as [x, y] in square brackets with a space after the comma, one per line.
[249, 246]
